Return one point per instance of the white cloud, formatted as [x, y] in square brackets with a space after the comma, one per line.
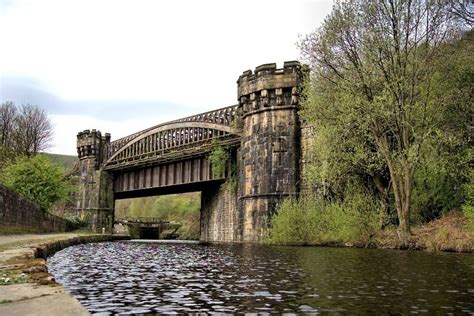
[66, 128]
[181, 52]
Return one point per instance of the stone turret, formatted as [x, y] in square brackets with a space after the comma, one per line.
[95, 197]
[270, 146]
[91, 144]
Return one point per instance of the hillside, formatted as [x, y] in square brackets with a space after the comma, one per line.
[66, 161]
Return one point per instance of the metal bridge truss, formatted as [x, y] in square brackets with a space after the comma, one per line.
[167, 141]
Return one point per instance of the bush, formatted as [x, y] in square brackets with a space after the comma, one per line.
[469, 214]
[436, 188]
[468, 207]
[218, 159]
[311, 220]
[38, 180]
[74, 222]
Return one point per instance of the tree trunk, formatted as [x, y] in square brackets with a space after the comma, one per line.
[403, 231]
[402, 179]
[401, 175]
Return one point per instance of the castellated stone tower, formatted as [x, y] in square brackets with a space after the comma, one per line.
[270, 147]
[95, 200]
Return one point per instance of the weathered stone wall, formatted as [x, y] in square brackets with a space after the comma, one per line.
[95, 200]
[18, 214]
[220, 216]
[270, 147]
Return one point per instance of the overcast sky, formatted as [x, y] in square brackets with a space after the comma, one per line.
[122, 66]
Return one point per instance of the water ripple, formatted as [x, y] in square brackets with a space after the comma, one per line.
[151, 278]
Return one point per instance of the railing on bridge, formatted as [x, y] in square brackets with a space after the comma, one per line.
[223, 116]
[166, 137]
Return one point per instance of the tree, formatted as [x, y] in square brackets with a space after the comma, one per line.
[373, 72]
[34, 130]
[463, 10]
[25, 130]
[8, 117]
[37, 179]
[444, 167]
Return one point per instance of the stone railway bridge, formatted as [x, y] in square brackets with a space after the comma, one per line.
[262, 133]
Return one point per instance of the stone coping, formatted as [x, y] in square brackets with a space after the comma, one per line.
[30, 289]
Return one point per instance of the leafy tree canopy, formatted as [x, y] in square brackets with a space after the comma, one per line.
[37, 179]
[376, 95]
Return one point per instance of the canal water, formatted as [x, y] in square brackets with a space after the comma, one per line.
[156, 278]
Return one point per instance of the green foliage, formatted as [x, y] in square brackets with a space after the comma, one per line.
[469, 214]
[380, 103]
[74, 222]
[232, 182]
[218, 158]
[66, 161]
[339, 154]
[437, 189]
[311, 220]
[237, 123]
[181, 208]
[447, 154]
[12, 277]
[468, 207]
[7, 157]
[37, 179]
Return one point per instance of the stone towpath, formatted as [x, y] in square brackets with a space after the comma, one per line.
[12, 239]
[25, 286]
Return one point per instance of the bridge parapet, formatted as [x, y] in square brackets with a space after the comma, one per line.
[223, 116]
[91, 143]
[269, 87]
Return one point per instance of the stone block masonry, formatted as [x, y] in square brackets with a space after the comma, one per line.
[220, 217]
[270, 146]
[20, 215]
[95, 196]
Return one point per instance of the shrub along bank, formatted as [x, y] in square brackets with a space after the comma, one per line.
[357, 222]
[314, 221]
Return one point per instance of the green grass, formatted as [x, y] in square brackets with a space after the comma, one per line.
[66, 161]
[469, 214]
[12, 277]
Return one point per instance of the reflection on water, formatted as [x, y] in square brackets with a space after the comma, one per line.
[139, 278]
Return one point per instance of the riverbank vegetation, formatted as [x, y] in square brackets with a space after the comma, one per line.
[389, 98]
[24, 132]
[38, 180]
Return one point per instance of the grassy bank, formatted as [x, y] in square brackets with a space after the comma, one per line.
[360, 222]
[447, 233]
